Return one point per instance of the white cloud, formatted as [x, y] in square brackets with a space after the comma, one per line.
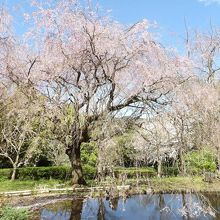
[209, 2]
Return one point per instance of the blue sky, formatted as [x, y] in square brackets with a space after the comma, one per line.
[169, 14]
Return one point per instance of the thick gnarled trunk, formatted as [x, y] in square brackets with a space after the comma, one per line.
[79, 135]
[77, 174]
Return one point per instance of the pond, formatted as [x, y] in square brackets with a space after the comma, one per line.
[154, 206]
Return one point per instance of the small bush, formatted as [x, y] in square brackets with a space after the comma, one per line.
[133, 172]
[5, 174]
[200, 161]
[170, 171]
[10, 213]
[36, 173]
[89, 156]
[89, 172]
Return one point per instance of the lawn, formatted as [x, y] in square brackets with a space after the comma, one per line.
[165, 184]
[8, 185]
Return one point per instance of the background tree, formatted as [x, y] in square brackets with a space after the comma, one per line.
[160, 141]
[204, 49]
[17, 130]
[205, 52]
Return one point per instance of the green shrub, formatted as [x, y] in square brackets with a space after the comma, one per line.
[170, 170]
[54, 172]
[199, 161]
[125, 149]
[36, 173]
[5, 174]
[89, 156]
[89, 172]
[10, 213]
[133, 172]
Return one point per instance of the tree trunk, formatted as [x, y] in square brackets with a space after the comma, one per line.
[218, 159]
[182, 163]
[159, 162]
[13, 175]
[159, 168]
[77, 174]
[182, 148]
[15, 165]
[79, 135]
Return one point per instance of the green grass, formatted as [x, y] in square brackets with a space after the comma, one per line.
[8, 185]
[11, 213]
[165, 184]
[179, 183]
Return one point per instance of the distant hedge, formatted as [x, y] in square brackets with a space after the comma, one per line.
[64, 172]
[36, 173]
[170, 170]
[133, 172]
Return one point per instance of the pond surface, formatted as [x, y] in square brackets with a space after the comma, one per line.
[148, 207]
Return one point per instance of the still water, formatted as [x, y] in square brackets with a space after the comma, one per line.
[148, 207]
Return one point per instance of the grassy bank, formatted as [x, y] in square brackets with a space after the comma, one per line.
[171, 184]
[176, 184]
[166, 184]
[17, 185]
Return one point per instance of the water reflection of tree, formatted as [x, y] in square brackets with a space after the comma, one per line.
[101, 211]
[144, 200]
[157, 206]
[196, 205]
[113, 203]
[214, 199]
[185, 206]
[76, 209]
[162, 205]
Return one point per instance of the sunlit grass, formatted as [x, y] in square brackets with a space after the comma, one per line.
[165, 184]
[8, 185]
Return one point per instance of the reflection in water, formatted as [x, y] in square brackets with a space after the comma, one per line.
[76, 208]
[155, 207]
